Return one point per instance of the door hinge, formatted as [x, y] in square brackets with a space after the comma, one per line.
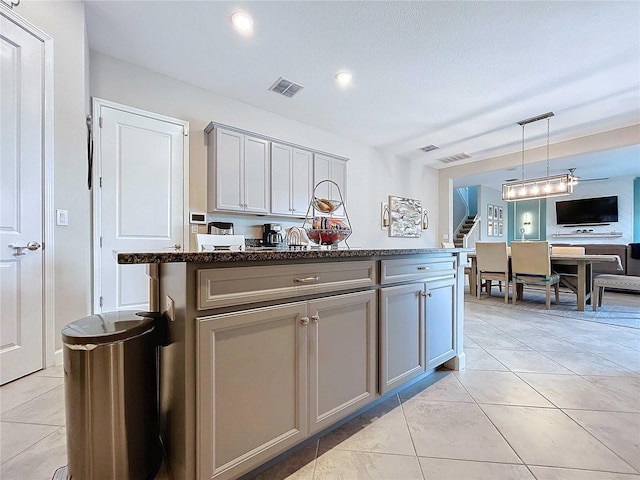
[100, 182]
[100, 122]
[101, 299]
[100, 242]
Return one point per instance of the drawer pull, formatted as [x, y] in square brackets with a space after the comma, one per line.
[306, 279]
[423, 268]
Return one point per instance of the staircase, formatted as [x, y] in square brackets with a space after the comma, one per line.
[463, 230]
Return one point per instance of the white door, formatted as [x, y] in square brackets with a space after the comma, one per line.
[141, 159]
[22, 154]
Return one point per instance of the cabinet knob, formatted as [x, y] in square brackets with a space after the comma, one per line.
[315, 318]
[425, 294]
[305, 320]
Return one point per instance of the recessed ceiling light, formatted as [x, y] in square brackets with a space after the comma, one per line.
[242, 22]
[344, 78]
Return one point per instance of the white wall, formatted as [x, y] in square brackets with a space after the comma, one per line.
[620, 186]
[372, 175]
[64, 22]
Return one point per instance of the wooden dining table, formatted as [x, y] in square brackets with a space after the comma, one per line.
[584, 272]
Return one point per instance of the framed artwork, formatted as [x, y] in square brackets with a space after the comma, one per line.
[489, 212]
[500, 227]
[490, 229]
[406, 217]
[500, 214]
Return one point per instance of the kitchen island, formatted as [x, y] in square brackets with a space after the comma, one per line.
[269, 348]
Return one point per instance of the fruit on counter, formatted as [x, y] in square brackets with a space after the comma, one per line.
[328, 223]
[324, 205]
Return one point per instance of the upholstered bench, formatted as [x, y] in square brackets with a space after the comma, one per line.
[621, 282]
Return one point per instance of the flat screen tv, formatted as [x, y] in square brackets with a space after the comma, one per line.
[587, 211]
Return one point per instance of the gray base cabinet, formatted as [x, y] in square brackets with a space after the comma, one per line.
[440, 320]
[251, 389]
[342, 356]
[268, 377]
[402, 337]
[417, 320]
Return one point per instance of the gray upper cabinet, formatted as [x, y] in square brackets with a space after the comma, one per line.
[238, 172]
[291, 180]
[334, 169]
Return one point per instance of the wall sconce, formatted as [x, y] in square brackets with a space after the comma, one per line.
[425, 219]
[384, 215]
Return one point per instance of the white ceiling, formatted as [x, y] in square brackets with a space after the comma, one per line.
[457, 74]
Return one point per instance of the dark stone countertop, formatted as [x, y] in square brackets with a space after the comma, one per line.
[261, 255]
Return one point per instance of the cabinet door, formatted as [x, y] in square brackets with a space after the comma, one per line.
[321, 171]
[342, 356]
[440, 320]
[229, 154]
[339, 175]
[281, 178]
[334, 169]
[402, 334]
[256, 175]
[251, 387]
[301, 181]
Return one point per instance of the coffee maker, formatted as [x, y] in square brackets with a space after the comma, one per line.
[271, 234]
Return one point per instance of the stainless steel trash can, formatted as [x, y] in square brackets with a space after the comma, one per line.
[111, 396]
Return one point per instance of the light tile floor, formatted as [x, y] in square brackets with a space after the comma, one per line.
[543, 397]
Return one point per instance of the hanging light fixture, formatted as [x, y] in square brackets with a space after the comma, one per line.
[549, 186]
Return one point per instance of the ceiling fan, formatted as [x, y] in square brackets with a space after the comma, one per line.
[574, 180]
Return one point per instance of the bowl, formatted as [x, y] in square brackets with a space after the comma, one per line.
[325, 205]
[327, 237]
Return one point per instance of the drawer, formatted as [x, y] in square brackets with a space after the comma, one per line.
[223, 287]
[416, 268]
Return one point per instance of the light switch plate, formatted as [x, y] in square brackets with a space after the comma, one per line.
[62, 217]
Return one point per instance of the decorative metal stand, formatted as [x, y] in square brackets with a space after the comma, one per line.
[320, 223]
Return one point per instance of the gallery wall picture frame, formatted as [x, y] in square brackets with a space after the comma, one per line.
[406, 217]
[500, 228]
[500, 214]
[489, 212]
[490, 229]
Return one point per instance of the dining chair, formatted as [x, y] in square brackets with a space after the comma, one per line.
[531, 265]
[492, 264]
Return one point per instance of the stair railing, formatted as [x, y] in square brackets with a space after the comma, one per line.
[473, 235]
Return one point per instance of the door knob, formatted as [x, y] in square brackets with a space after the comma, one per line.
[32, 245]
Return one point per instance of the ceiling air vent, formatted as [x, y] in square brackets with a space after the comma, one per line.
[455, 158]
[285, 87]
[429, 148]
